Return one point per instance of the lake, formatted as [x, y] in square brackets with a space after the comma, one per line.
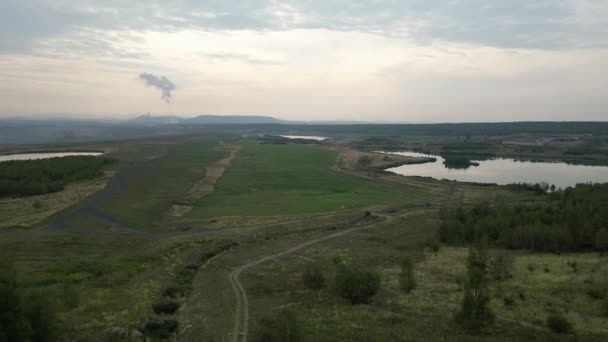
[45, 155]
[506, 171]
[309, 137]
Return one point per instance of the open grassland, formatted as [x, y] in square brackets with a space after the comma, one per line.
[267, 179]
[151, 190]
[424, 314]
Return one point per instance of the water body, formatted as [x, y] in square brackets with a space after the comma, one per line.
[309, 137]
[32, 156]
[506, 171]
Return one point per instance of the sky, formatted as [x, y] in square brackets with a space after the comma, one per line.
[368, 60]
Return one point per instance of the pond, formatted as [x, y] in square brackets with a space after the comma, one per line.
[45, 155]
[309, 137]
[505, 171]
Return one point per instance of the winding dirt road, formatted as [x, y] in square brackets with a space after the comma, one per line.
[241, 318]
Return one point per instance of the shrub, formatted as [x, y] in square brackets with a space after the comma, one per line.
[434, 244]
[356, 283]
[281, 327]
[475, 313]
[313, 278]
[165, 307]
[558, 323]
[407, 281]
[501, 266]
[163, 328]
[41, 315]
[170, 292]
[70, 297]
[509, 301]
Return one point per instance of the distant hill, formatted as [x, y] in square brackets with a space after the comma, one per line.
[234, 119]
[157, 120]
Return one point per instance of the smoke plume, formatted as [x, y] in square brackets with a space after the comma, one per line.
[162, 83]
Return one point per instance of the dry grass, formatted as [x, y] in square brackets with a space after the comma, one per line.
[24, 211]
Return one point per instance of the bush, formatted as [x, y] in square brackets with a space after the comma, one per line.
[70, 297]
[434, 244]
[162, 329]
[165, 307]
[41, 315]
[357, 283]
[559, 324]
[282, 327]
[313, 278]
[475, 313]
[501, 266]
[407, 281]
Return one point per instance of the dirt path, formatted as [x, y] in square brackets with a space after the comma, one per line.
[213, 173]
[89, 205]
[241, 318]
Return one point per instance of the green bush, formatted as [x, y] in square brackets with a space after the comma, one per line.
[558, 323]
[165, 307]
[313, 278]
[281, 327]
[160, 328]
[70, 297]
[357, 283]
[407, 281]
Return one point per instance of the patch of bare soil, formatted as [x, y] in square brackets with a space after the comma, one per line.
[206, 185]
[357, 160]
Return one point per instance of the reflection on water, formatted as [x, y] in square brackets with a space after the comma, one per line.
[505, 171]
[309, 137]
[31, 156]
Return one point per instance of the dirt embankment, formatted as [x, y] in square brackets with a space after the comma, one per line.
[371, 161]
[205, 185]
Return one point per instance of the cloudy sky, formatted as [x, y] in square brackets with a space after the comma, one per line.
[391, 60]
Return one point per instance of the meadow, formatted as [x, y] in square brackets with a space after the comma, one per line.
[268, 179]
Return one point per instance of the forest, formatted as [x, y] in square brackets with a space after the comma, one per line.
[20, 178]
[574, 219]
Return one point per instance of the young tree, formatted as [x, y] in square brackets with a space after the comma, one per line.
[501, 266]
[281, 327]
[475, 313]
[356, 283]
[313, 278]
[601, 240]
[13, 326]
[407, 281]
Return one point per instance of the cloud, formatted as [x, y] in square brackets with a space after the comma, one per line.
[239, 57]
[539, 24]
[162, 83]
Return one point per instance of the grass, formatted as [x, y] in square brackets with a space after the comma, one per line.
[541, 284]
[153, 188]
[266, 179]
[28, 211]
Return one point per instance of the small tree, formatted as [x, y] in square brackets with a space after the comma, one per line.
[501, 266]
[41, 312]
[356, 283]
[601, 240]
[475, 313]
[558, 323]
[13, 326]
[281, 327]
[70, 296]
[313, 278]
[407, 281]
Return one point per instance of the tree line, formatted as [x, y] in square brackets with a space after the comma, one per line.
[19, 178]
[574, 219]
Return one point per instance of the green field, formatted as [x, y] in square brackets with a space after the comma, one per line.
[143, 200]
[268, 179]
[270, 198]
